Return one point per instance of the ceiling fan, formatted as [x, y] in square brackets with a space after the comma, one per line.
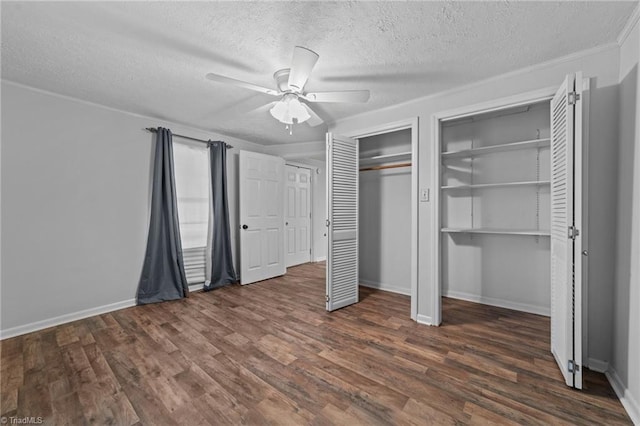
[290, 84]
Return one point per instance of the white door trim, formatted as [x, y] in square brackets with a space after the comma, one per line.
[300, 165]
[410, 123]
[493, 105]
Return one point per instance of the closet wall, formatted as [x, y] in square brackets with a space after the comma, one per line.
[495, 208]
[624, 370]
[385, 213]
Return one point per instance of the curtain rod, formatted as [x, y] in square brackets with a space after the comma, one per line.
[154, 130]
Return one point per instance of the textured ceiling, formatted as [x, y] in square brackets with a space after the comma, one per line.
[151, 58]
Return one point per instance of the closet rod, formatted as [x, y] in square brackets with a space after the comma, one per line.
[154, 130]
[388, 166]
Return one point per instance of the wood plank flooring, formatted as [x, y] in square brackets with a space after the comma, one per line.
[268, 353]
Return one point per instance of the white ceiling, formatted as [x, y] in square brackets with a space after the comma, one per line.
[151, 58]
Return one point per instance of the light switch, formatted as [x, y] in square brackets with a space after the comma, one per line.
[424, 195]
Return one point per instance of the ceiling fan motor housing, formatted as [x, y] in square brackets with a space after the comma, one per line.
[282, 79]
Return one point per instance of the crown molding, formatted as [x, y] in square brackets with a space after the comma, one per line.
[628, 27]
[294, 144]
[235, 140]
[470, 86]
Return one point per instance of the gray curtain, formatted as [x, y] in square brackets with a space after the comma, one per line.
[222, 270]
[163, 276]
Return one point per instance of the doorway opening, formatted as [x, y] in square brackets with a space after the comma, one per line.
[384, 216]
[298, 213]
[508, 207]
[385, 150]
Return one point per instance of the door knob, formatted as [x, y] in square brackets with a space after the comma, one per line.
[245, 227]
[286, 223]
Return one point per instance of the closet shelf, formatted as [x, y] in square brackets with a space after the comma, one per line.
[534, 143]
[499, 185]
[534, 232]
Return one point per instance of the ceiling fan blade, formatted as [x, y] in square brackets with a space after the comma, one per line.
[240, 83]
[344, 96]
[315, 120]
[303, 62]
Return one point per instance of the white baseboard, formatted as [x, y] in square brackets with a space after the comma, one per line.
[598, 365]
[501, 303]
[320, 259]
[62, 319]
[631, 404]
[385, 287]
[424, 319]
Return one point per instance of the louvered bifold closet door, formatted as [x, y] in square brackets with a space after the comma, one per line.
[342, 221]
[563, 203]
[194, 264]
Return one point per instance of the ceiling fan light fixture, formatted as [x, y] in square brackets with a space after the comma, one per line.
[290, 84]
[290, 110]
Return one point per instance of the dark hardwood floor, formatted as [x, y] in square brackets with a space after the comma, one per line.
[268, 353]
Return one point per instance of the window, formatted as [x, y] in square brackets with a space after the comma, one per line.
[191, 163]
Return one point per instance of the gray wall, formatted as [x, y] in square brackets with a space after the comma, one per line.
[625, 368]
[75, 204]
[385, 217]
[600, 64]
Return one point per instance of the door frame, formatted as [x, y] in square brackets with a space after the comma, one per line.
[314, 172]
[410, 123]
[540, 95]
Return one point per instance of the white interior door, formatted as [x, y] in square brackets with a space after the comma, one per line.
[261, 217]
[566, 199]
[342, 221]
[297, 225]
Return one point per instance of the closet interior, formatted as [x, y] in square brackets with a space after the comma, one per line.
[495, 208]
[385, 211]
